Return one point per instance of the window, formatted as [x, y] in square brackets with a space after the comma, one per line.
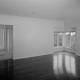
[58, 39]
[70, 39]
[66, 39]
[67, 34]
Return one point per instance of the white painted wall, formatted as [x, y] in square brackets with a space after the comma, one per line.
[32, 36]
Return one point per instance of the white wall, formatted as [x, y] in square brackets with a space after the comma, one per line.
[32, 36]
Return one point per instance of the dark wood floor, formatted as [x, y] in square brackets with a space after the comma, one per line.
[34, 68]
[6, 69]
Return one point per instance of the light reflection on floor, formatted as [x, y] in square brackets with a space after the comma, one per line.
[55, 67]
[67, 64]
[73, 69]
[60, 64]
[64, 63]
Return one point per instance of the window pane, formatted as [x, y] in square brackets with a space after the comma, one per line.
[55, 39]
[72, 39]
[60, 39]
[7, 40]
[67, 39]
[60, 36]
[1, 39]
[55, 44]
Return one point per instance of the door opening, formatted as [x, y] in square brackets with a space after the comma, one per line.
[6, 41]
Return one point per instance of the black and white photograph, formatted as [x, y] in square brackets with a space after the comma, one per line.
[39, 39]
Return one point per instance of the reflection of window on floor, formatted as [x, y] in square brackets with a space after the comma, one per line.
[67, 63]
[70, 65]
[58, 64]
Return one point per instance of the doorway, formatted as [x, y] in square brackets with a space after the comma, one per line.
[6, 51]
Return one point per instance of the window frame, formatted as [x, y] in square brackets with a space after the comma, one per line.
[70, 41]
[57, 42]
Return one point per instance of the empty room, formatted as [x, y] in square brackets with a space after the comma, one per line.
[39, 39]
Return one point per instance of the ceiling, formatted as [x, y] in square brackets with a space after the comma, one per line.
[47, 9]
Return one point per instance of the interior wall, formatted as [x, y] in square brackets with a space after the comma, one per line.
[32, 36]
